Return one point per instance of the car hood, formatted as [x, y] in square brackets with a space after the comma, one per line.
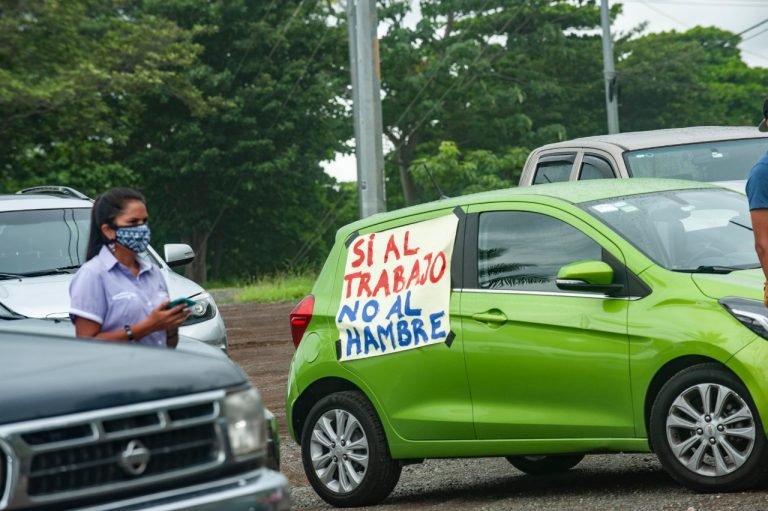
[45, 375]
[47, 296]
[738, 185]
[742, 283]
[37, 297]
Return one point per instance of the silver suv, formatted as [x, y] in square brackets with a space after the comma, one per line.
[43, 238]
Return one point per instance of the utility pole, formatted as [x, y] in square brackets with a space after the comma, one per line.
[366, 96]
[611, 86]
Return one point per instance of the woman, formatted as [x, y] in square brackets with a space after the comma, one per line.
[118, 295]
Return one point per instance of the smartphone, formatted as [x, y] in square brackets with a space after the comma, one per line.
[181, 301]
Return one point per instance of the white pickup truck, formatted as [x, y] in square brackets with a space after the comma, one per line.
[718, 154]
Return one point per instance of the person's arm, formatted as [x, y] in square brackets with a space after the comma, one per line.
[760, 230]
[160, 319]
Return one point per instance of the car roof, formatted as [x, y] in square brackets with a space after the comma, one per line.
[634, 140]
[573, 192]
[28, 202]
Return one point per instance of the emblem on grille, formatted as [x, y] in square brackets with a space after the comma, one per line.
[134, 458]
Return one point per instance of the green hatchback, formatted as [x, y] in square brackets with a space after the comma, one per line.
[539, 324]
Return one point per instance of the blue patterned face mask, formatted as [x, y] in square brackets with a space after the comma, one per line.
[135, 238]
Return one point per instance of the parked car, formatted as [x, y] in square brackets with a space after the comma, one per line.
[717, 154]
[43, 239]
[94, 426]
[539, 324]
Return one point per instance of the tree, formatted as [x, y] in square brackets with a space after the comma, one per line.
[72, 75]
[484, 74]
[244, 181]
[692, 78]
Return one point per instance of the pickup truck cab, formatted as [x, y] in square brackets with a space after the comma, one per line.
[718, 154]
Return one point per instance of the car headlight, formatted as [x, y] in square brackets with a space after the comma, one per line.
[203, 309]
[751, 313]
[245, 423]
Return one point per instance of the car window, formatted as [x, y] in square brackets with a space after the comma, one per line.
[728, 160]
[551, 169]
[684, 229]
[524, 251]
[595, 167]
[40, 240]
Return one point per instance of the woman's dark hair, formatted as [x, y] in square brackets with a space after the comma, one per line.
[107, 206]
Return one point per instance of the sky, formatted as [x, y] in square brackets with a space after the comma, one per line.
[662, 15]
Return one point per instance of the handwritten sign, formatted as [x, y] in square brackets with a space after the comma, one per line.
[396, 290]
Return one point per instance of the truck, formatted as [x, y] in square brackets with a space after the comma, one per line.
[93, 426]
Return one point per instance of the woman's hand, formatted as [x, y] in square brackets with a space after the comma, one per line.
[165, 319]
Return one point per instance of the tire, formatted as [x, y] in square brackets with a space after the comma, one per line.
[343, 473]
[706, 431]
[543, 465]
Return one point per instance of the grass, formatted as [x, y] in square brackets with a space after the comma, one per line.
[274, 288]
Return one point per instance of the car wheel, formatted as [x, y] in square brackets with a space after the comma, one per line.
[542, 465]
[706, 432]
[345, 453]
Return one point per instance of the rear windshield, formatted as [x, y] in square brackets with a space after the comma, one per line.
[42, 240]
[729, 160]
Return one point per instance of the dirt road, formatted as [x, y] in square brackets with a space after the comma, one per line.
[260, 342]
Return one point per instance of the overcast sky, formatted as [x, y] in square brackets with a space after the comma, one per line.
[664, 15]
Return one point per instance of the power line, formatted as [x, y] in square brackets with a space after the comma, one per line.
[753, 27]
[754, 35]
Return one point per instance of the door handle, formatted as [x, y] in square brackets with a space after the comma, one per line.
[491, 317]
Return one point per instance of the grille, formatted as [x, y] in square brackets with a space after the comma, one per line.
[121, 448]
[76, 468]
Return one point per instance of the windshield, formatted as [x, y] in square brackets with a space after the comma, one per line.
[684, 230]
[727, 160]
[41, 241]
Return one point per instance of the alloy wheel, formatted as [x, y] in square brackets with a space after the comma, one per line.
[339, 451]
[710, 429]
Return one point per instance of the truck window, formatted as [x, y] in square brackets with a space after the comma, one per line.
[595, 167]
[551, 169]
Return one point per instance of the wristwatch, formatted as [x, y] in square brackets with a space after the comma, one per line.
[129, 332]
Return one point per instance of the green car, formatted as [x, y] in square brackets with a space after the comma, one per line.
[538, 324]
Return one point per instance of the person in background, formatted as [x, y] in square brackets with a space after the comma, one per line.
[757, 193]
[118, 295]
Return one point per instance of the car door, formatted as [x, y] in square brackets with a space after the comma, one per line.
[541, 362]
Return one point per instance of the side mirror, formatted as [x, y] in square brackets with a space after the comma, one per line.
[587, 276]
[178, 254]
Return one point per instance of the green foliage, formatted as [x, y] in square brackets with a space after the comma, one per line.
[687, 79]
[72, 75]
[486, 74]
[475, 171]
[251, 168]
[278, 288]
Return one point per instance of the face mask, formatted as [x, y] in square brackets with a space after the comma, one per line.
[135, 238]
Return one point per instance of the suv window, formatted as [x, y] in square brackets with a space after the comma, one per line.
[523, 251]
[551, 169]
[40, 240]
[595, 167]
